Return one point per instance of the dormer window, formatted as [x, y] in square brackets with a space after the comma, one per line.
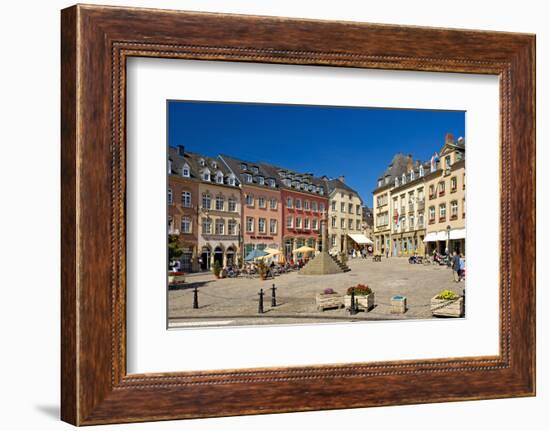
[185, 171]
[387, 179]
[421, 171]
[206, 175]
[248, 178]
[403, 178]
[379, 183]
[396, 182]
[322, 191]
[244, 166]
[271, 182]
[311, 187]
[412, 175]
[202, 162]
[261, 181]
[214, 165]
[169, 166]
[255, 169]
[219, 178]
[231, 180]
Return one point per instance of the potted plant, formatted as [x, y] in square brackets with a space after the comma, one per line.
[328, 298]
[364, 297]
[175, 277]
[262, 270]
[216, 269]
[447, 304]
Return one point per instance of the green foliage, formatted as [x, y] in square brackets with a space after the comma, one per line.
[174, 250]
[262, 269]
[216, 268]
[447, 295]
[360, 290]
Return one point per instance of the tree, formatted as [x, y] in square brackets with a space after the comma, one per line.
[174, 250]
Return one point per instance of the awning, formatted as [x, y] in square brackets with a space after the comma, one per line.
[442, 235]
[431, 237]
[458, 234]
[359, 238]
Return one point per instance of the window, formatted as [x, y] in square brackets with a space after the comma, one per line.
[261, 202]
[273, 226]
[271, 182]
[206, 225]
[441, 188]
[169, 166]
[250, 200]
[442, 211]
[261, 181]
[170, 200]
[306, 205]
[220, 226]
[298, 222]
[448, 161]
[298, 204]
[454, 210]
[273, 203]
[322, 208]
[358, 209]
[321, 190]
[185, 172]
[289, 221]
[342, 207]
[289, 202]
[201, 162]
[421, 171]
[206, 175]
[333, 205]
[314, 206]
[220, 203]
[432, 191]
[232, 227]
[411, 221]
[206, 201]
[306, 223]
[431, 214]
[248, 178]
[333, 240]
[186, 199]
[244, 166]
[214, 164]
[350, 208]
[343, 223]
[250, 224]
[357, 224]
[255, 169]
[261, 225]
[219, 178]
[453, 184]
[185, 225]
[350, 224]
[232, 204]
[231, 180]
[420, 220]
[314, 224]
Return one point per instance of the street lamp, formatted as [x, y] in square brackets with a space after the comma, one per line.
[448, 243]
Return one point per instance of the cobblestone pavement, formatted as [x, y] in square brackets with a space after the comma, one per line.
[234, 301]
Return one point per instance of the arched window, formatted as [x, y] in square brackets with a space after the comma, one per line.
[185, 171]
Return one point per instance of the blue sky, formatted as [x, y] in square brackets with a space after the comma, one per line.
[358, 143]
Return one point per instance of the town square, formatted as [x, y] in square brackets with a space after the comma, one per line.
[266, 239]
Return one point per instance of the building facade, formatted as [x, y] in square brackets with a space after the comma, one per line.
[219, 213]
[183, 190]
[345, 217]
[261, 205]
[419, 207]
[446, 203]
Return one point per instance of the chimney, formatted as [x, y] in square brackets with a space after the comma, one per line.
[449, 138]
[181, 150]
[342, 178]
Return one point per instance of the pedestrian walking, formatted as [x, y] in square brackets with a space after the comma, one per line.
[455, 264]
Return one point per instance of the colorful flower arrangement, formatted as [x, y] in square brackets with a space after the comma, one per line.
[360, 290]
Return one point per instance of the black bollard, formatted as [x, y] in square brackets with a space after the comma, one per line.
[196, 298]
[273, 298]
[261, 303]
[352, 307]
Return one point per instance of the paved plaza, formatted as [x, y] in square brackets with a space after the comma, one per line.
[234, 301]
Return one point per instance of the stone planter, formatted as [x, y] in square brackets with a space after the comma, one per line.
[329, 300]
[398, 304]
[364, 302]
[176, 279]
[447, 307]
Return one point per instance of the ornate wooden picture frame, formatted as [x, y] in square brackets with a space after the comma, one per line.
[96, 42]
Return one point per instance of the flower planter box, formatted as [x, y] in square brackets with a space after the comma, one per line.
[329, 300]
[398, 304]
[447, 307]
[364, 302]
[176, 279]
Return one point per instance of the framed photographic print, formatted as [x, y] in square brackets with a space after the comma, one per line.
[324, 214]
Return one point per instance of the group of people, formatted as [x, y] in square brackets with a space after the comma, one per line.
[458, 265]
